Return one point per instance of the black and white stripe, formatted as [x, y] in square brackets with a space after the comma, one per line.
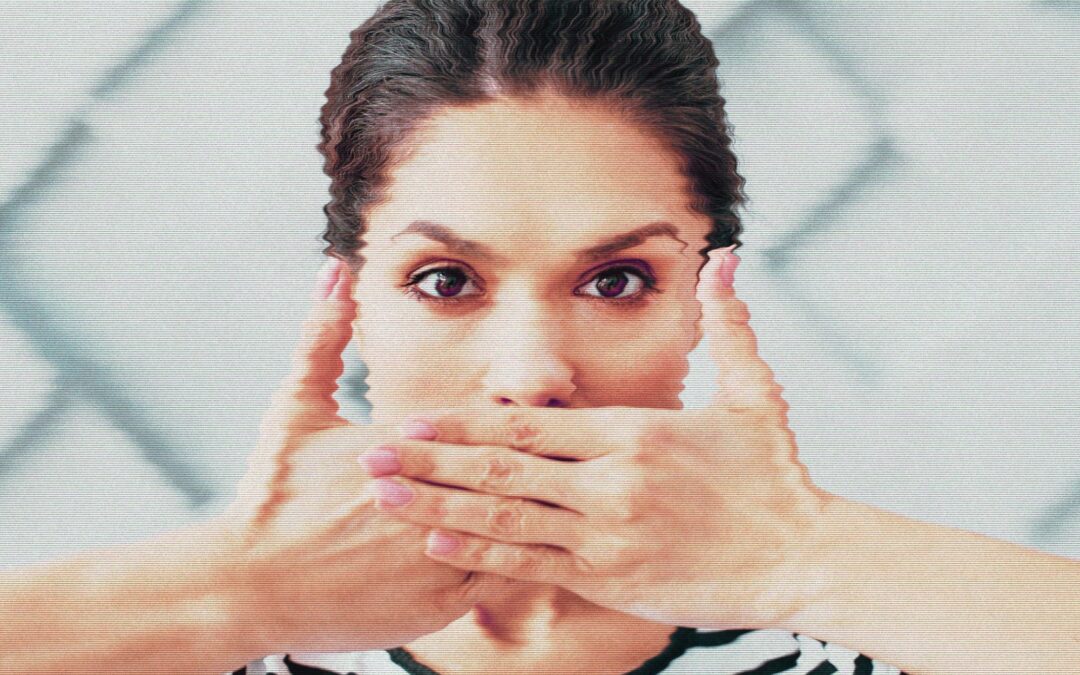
[689, 652]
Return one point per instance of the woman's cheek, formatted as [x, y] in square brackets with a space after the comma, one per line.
[667, 343]
[643, 368]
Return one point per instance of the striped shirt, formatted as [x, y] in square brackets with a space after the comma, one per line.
[689, 651]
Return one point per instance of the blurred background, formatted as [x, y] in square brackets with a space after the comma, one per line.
[910, 255]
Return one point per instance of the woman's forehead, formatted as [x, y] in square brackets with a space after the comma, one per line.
[519, 166]
[521, 147]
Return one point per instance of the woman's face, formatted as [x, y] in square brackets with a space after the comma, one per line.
[529, 254]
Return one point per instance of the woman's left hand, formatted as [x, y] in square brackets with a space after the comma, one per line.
[701, 518]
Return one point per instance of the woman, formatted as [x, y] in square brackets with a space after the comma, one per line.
[535, 184]
[476, 150]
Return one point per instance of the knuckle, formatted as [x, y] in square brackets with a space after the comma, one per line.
[506, 519]
[417, 462]
[439, 509]
[522, 432]
[524, 562]
[483, 554]
[499, 472]
[434, 508]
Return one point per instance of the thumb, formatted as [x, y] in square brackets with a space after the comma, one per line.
[744, 379]
[305, 400]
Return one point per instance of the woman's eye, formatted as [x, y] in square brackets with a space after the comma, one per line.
[620, 283]
[443, 283]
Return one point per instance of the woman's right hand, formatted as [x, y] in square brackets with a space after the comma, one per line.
[320, 568]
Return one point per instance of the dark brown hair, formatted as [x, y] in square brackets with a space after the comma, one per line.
[645, 60]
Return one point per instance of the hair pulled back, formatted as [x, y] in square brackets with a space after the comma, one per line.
[645, 60]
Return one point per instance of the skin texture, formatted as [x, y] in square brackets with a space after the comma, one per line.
[534, 182]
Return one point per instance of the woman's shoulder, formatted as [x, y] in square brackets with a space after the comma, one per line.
[690, 652]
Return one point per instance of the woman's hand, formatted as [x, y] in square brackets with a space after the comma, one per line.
[687, 517]
[320, 568]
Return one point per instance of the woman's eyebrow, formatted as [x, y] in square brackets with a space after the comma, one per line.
[630, 239]
[446, 236]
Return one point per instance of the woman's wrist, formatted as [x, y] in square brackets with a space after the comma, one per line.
[241, 623]
[200, 575]
[933, 599]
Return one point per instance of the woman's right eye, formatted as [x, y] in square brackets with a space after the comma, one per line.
[441, 284]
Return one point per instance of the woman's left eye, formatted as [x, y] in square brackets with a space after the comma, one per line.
[611, 283]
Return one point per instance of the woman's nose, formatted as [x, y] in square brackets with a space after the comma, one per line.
[529, 377]
[526, 366]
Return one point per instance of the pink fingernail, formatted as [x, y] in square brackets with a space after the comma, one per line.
[393, 494]
[419, 429]
[440, 543]
[328, 276]
[381, 461]
[727, 267]
[343, 283]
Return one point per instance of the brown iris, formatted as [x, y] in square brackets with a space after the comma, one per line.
[612, 283]
[449, 282]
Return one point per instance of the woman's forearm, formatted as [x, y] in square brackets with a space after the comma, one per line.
[166, 605]
[935, 600]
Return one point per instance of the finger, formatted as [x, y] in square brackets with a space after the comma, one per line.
[505, 519]
[494, 470]
[577, 434]
[305, 400]
[480, 587]
[517, 561]
[745, 380]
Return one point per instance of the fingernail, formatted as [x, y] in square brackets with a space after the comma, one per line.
[328, 276]
[393, 494]
[342, 285]
[381, 461]
[440, 543]
[419, 429]
[727, 267]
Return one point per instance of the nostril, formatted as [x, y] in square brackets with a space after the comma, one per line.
[551, 402]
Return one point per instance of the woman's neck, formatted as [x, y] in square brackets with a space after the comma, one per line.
[526, 616]
[541, 629]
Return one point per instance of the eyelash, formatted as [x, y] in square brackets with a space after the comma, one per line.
[647, 279]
